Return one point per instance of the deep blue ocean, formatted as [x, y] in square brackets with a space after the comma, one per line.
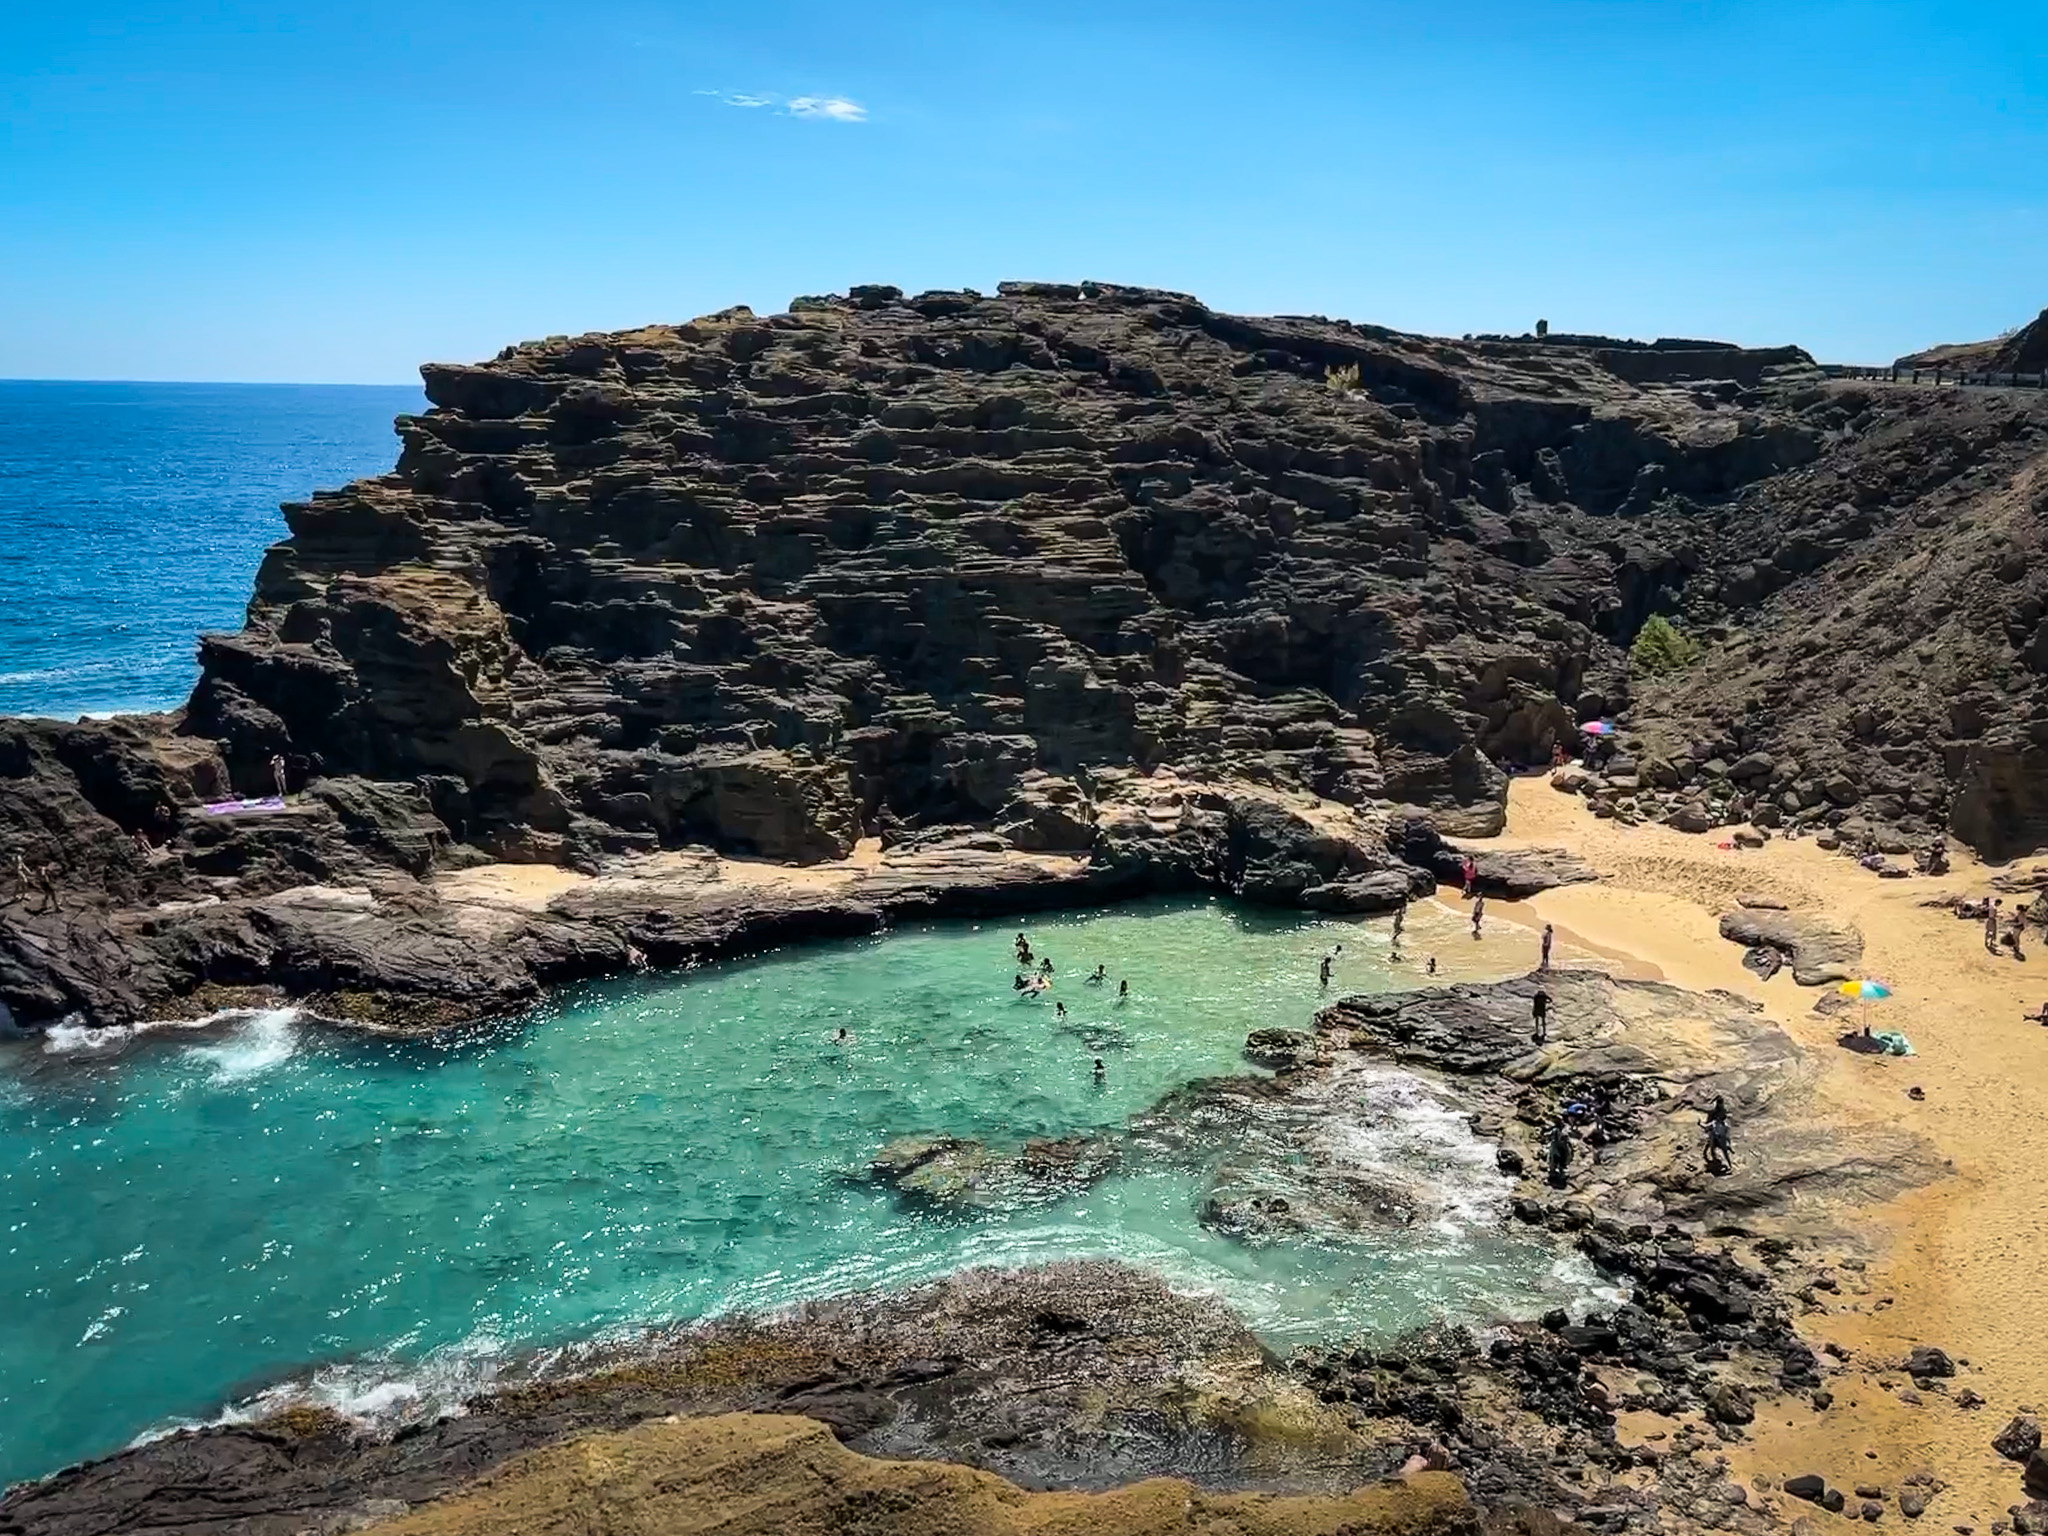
[132, 516]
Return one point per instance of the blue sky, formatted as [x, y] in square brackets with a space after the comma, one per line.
[217, 189]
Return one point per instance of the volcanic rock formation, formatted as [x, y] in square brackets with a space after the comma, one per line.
[1086, 572]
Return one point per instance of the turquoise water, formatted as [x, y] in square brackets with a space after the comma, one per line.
[132, 516]
[265, 1207]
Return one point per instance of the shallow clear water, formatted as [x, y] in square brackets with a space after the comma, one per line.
[193, 1216]
[132, 516]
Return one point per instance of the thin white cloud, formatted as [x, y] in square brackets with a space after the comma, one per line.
[830, 109]
[836, 108]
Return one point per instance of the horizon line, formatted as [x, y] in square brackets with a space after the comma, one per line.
[237, 383]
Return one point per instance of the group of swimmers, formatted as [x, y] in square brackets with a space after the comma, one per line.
[1031, 983]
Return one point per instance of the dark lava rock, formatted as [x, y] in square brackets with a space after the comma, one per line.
[1913, 1502]
[1279, 1048]
[1928, 1361]
[2034, 1477]
[1807, 1485]
[2019, 1439]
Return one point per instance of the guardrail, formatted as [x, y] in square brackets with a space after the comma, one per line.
[1962, 377]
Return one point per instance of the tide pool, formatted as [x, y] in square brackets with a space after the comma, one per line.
[264, 1210]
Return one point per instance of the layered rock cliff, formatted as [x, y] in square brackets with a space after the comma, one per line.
[1093, 574]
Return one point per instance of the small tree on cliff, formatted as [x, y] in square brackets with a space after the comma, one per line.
[1661, 647]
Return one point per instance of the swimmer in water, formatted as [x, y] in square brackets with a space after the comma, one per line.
[1323, 971]
[1020, 984]
[1432, 965]
[1123, 991]
[842, 1038]
[1045, 966]
[1059, 1010]
[1100, 1070]
[1099, 977]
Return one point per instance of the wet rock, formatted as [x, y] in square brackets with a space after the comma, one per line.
[1279, 1048]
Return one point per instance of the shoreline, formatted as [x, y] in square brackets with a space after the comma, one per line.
[1959, 1259]
[1948, 1263]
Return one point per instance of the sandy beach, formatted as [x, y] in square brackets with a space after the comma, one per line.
[1958, 1264]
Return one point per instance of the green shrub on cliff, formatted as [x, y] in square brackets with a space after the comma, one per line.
[1343, 380]
[1661, 647]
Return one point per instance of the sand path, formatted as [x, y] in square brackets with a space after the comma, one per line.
[1963, 1263]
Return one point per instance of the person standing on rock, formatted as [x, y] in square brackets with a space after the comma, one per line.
[277, 772]
[1720, 1145]
[1540, 1007]
[1549, 935]
[1471, 872]
[1557, 1153]
[1478, 914]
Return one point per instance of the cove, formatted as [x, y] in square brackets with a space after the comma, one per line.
[267, 1211]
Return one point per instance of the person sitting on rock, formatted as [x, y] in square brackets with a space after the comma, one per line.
[1720, 1147]
[1101, 974]
[1557, 1153]
[1540, 1008]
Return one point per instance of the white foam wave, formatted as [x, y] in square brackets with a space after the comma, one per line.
[1386, 1124]
[260, 1033]
[260, 1042]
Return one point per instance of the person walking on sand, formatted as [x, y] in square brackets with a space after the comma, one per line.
[1471, 872]
[1478, 914]
[1991, 925]
[1539, 1006]
[1549, 935]
[1432, 965]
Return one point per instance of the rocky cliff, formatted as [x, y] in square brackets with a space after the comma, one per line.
[1084, 572]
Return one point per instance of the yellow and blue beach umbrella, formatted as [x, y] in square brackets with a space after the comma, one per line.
[1865, 991]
